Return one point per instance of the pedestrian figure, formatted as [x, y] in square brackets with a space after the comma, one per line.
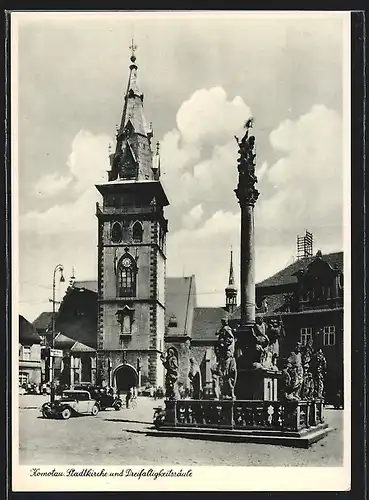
[129, 396]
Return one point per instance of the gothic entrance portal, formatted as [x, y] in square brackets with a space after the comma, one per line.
[125, 376]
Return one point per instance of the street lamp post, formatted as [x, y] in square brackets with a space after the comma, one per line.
[59, 268]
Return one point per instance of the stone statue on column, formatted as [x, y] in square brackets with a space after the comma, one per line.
[225, 369]
[293, 375]
[266, 342]
[308, 386]
[320, 370]
[170, 363]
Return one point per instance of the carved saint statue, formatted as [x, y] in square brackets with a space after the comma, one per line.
[225, 371]
[307, 391]
[266, 338]
[293, 374]
[170, 363]
[247, 157]
[195, 378]
[320, 369]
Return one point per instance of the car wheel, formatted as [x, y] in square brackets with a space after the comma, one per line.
[66, 413]
[118, 406]
[95, 410]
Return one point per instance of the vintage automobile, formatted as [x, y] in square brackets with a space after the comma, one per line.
[102, 396]
[71, 403]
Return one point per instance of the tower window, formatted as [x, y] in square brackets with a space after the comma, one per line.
[127, 272]
[116, 232]
[137, 232]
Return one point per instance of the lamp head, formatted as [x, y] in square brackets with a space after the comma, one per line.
[62, 279]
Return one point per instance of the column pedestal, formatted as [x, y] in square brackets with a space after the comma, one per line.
[257, 385]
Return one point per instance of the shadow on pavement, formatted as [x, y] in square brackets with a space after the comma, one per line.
[131, 431]
[119, 420]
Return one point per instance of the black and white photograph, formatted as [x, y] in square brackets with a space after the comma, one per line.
[181, 250]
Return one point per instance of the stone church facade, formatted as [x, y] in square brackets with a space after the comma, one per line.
[131, 253]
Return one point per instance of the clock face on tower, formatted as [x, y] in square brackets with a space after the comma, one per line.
[126, 262]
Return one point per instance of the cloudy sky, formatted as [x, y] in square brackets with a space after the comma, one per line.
[202, 77]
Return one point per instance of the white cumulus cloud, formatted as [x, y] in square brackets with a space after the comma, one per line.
[307, 179]
[51, 185]
[193, 216]
[88, 163]
[200, 154]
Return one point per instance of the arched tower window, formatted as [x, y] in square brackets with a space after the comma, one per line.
[127, 273]
[116, 232]
[137, 232]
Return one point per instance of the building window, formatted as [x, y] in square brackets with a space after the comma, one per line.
[26, 353]
[116, 233]
[329, 335]
[127, 271]
[306, 335]
[137, 232]
[23, 378]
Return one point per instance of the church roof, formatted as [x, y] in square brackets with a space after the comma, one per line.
[80, 347]
[206, 322]
[180, 301]
[77, 315]
[91, 285]
[43, 321]
[61, 341]
[287, 276]
[27, 332]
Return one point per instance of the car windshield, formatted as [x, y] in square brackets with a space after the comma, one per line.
[79, 396]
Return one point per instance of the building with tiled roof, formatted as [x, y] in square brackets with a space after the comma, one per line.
[29, 353]
[287, 276]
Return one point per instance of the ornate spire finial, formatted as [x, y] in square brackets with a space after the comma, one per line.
[133, 48]
[231, 273]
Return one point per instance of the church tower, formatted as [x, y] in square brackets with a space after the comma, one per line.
[131, 253]
[231, 290]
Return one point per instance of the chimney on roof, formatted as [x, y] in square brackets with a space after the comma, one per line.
[305, 245]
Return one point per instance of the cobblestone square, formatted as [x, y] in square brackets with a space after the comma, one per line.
[119, 438]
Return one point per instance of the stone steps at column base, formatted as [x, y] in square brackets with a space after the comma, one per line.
[301, 439]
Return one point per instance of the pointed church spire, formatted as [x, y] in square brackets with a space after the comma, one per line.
[231, 290]
[132, 158]
[231, 273]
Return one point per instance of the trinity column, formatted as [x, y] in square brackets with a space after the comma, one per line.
[256, 378]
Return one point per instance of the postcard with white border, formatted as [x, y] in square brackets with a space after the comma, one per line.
[181, 251]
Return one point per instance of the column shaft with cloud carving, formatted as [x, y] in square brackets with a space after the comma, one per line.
[247, 196]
